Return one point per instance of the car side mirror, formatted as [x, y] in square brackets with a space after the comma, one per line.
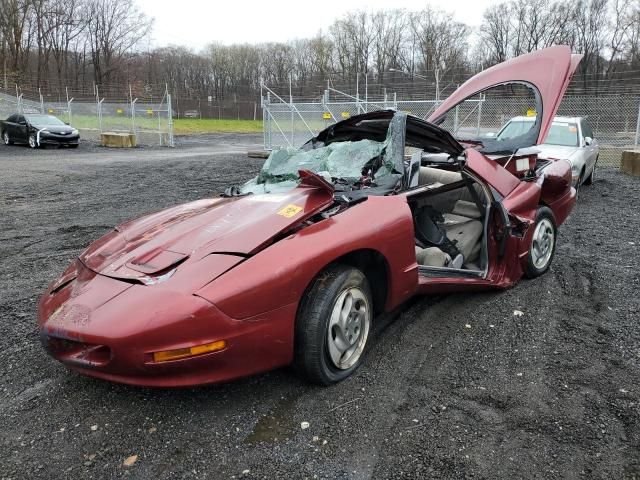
[588, 141]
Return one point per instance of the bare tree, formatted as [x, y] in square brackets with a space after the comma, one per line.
[441, 41]
[66, 24]
[621, 25]
[114, 28]
[495, 32]
[14, 15]
[389, 40]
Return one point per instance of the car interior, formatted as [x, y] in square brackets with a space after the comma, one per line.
[450, 217]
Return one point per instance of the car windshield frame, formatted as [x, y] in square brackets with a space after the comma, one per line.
[44, 119]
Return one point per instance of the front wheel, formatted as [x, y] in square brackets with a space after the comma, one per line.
[543, 243]
[333, 323]
[33, 141]
[6, 139]
[592, 176]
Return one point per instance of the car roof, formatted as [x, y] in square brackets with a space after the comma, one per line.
[522, 118]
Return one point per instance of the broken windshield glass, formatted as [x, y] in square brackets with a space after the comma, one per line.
[337, 162]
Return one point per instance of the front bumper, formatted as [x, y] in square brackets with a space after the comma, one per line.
[108, 336]
[48, 138]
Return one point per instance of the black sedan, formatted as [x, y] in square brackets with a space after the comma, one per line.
[38, 130]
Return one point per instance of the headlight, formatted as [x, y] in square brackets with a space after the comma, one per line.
[74, 131]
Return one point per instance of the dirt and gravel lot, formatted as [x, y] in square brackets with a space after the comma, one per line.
[554, 393]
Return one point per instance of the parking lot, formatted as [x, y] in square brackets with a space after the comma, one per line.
[551, 393]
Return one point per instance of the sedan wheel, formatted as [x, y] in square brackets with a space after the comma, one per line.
[592, 176]
[333, 325]
[543, 243]
[33, 142]
[6, 139]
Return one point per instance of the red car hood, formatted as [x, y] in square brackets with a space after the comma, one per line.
[156, 243]
[549, 70]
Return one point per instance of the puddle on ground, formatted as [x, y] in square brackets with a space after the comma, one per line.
[277, 426]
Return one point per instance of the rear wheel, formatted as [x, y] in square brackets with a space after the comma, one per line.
[33, 141]
[6, 139]
[543, 243]
[592, 176]
[333, 325]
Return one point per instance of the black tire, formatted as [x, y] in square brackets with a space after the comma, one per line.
[592, 176]
[32, 141]
[312, 352]
[73, 145]
[6, 138]
[535, 267]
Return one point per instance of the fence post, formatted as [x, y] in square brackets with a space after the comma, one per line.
[479, 115]
[69, 111]
[638, 125]
[291, 108]
[170, 120]
[66, 89]
[133, 115]
[100, 114]
[366, 91]
[41, 101]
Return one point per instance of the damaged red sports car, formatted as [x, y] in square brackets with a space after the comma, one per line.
[294, 266]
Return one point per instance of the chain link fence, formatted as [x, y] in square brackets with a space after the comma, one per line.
[615, 120]
[151, 122]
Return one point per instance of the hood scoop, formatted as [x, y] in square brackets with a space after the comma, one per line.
[156, 261]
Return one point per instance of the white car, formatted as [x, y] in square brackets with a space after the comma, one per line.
[569, 138]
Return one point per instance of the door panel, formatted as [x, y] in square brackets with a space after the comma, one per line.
[11, 129]
[22, 130]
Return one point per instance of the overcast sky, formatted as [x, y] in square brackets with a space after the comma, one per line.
[195, 23]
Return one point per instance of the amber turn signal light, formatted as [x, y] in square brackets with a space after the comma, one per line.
[189, 352]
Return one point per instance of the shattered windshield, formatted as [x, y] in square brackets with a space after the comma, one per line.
[348, 162]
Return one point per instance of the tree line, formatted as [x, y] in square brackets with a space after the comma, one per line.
[81, 43]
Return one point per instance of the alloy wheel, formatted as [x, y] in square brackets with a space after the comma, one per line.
[542, 244]
[348, 328]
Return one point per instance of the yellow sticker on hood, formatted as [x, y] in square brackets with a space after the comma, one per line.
[290, 210]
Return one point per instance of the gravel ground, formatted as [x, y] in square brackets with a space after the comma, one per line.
[553, 393]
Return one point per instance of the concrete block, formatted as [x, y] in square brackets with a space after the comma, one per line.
[118, 140]
[631, 162]
[258, 154]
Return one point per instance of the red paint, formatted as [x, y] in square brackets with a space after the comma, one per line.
[493, 172]
[549, 70]
[236, 270]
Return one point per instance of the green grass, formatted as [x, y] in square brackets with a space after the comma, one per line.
[181, 126]
[189, 126]
[109, 122]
